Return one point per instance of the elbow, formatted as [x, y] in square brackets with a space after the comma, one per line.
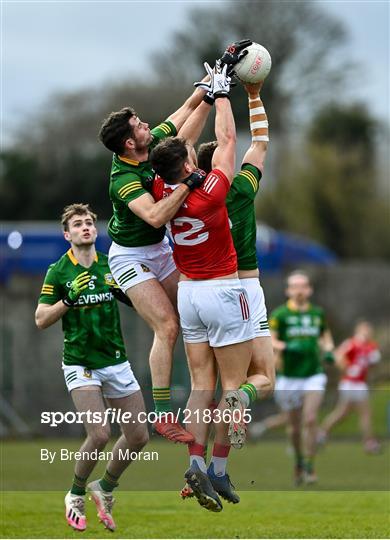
[155, 222]
[40, 322]
[231, 137]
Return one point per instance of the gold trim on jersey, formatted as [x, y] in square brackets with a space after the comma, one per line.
[251, 177]
[129, 188]
[129, 161]
[166, 129]
[47, 289]
[73, 258]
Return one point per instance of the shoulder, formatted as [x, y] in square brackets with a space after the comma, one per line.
[58, 265]
[102, 258]
[249, 172]
[215, 177]
[318, 310]
[279, 312]
[125, 184]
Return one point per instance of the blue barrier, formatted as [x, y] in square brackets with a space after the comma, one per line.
[29, 248]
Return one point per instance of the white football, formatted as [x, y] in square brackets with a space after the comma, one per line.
[255, 66]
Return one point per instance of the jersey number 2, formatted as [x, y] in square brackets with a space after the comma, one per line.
[196, 226]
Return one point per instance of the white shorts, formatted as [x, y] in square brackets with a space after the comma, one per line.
[116, 381]
[257, 306]
[354, 391]
[290, 391]
[132, 265]
[214, 310]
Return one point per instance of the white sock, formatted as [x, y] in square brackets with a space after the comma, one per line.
[199, 460]
[220, 464]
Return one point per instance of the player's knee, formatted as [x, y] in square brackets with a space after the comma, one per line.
[142, 439]
[100, 437]
[139, 438]
[310, 421]
[169, 330]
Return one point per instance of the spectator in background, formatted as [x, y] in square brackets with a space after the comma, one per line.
[354, 357]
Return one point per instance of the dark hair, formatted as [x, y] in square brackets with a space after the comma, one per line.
[76, 209]
[205, 155]
[116, 129]
[168, 158]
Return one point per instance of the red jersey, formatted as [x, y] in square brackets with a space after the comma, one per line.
[203, 245]
[359, 356]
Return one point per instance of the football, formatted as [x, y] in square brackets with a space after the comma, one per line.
[255, 66]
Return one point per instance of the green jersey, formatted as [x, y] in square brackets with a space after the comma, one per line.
[241, 210]
[92, 332]
[127, 182]
[300, 330]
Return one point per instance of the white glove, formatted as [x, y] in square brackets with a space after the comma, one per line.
[219, 83]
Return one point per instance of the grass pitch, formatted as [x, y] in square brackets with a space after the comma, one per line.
[350, 501]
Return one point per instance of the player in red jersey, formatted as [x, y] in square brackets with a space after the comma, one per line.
[355, 356]
[213, 306]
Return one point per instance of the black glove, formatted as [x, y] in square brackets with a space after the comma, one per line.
[234, 52]
[148, 183]
[195, 179]
[121, 296]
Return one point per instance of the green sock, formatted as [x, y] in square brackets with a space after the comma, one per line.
[108, 482]
[78, 486]
[250, 391]
[162, 399]
[299, 461]
[309, 464]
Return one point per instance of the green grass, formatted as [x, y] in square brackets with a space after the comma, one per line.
[163, 515]
[349, 502]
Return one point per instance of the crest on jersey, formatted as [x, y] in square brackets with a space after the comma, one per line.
[109, 280]
[87, 373]
[145, 268]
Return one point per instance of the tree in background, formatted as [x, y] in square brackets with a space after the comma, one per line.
[302, 40]
[62, 161]
[329, 190]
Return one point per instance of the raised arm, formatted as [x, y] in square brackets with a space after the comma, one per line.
[180, 116]
[224, 157]
[258, 121]
[193, 126]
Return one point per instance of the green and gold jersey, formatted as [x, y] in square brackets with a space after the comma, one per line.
[92, 332]
[300, 330]
[241, 210]
[126, 184]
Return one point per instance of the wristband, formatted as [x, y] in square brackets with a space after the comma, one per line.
[209, 99]
[258, 120]
[68, 302]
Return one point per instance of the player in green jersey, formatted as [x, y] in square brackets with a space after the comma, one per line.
[140, 257]
[78, 290]
[302, 339]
